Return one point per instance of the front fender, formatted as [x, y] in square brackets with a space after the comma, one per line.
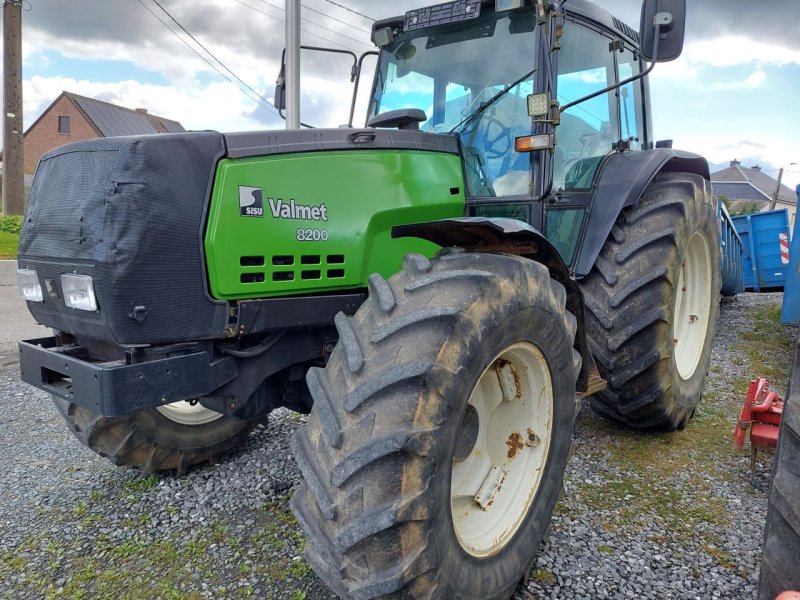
[621, 183]
[482, 234]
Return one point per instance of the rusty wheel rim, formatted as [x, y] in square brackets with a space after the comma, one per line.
[495, 479]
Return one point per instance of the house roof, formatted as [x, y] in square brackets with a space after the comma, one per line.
[111, 120]
[757, 178]
[739, 190]
[740, 195]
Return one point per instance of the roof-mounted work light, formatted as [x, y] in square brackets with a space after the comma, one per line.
[501, 5]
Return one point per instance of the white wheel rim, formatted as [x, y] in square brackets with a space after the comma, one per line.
[185, 413]
[492, 488]
[692, 306]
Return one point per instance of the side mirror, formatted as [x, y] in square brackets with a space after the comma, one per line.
[661, 29]
[279, 99]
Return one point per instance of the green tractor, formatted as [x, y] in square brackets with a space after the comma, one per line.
[439, 289]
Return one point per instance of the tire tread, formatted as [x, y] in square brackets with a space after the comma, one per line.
[399, 331]
[627, 296]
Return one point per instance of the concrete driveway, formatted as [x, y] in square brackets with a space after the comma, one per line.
[16, 323]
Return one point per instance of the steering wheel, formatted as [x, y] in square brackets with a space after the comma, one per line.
[592, 145]
[497, 139]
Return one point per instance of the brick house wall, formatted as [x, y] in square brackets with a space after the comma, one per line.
[43, 135]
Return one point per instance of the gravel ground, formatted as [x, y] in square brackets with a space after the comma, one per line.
[659, 516]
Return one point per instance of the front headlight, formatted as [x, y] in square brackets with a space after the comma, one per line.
[29, 287]
[78, 291]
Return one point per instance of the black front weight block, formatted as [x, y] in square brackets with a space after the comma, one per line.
[114, 388]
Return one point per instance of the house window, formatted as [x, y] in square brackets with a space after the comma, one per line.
[63, 124]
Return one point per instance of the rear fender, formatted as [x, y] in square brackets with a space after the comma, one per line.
[510, 236]
[620, 184]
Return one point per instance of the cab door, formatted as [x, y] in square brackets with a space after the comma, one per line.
[591, 59]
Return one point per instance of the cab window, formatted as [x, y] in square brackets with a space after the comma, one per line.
[588, 130]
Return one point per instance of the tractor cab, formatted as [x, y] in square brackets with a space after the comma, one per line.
[539, 97]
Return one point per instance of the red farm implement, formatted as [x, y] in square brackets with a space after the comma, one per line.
[761, 417]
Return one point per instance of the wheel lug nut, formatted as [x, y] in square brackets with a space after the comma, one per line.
[533, 439]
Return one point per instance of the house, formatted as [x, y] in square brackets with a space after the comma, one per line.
[72, 117]
[747, 187]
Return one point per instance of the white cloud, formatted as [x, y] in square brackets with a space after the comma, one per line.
[753, 81]
[699, 59]
[730, 51]
[770, 152]
[218, 105]
[170, 58]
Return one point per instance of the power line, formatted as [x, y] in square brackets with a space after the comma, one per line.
[306, 6]
[334, 32]
[258, 99]
[307, 20]
[355, 12]
[196, 41]
[279, 20]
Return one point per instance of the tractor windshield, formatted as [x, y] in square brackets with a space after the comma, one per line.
[449, 72]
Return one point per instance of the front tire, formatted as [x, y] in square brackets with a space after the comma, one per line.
[435, 451]
[653, 302]
[173, 437]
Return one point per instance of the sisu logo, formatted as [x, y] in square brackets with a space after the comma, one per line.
[251, 201]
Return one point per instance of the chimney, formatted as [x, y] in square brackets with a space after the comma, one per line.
[756, 168]
[141, 110]
[735, 163]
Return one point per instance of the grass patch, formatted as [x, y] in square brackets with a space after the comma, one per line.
[141, 484]
[277, 537]
[724, 559]
[766, 347]
[110, 572]
[666, 478]
[659, 455]
[81, 510]
[12, 562]
[11, 223]
[9, 242]
[10, 226]
[544, 577]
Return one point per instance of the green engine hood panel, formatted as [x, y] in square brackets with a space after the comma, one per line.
[321, 221]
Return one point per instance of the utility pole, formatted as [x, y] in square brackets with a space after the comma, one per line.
[777, 190]
[13, 166]
[292, 64]
[778, 187]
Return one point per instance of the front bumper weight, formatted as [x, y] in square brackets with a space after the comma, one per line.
[114, 388]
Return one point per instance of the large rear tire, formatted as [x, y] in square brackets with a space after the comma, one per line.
[780, 566]
[435, 451]
[176, 436]
[653, 302]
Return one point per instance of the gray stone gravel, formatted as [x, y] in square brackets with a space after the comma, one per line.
[693, 531]
[631, 525]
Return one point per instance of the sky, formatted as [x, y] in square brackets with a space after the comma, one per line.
[733, 94]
